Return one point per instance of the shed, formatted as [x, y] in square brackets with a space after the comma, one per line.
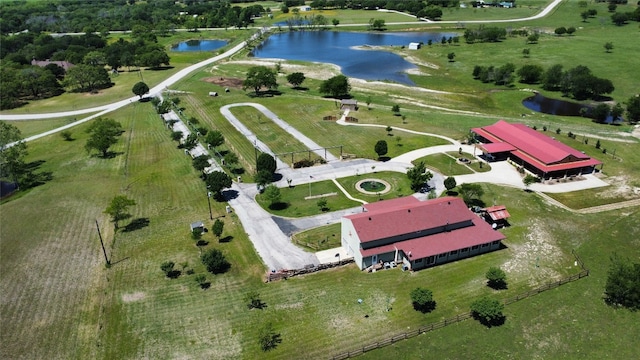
[198, 225]
[213, 93]
[414, 46]
[349, 104]
[498, 212]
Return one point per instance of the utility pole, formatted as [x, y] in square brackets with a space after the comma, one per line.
[102, 244]
[209, 202]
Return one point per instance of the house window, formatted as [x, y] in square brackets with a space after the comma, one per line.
[495, 242]
[442, 255]
[418, 261]
[474, 247]
[454, 252]
[464, 250]
[431, 259]
[485, 245]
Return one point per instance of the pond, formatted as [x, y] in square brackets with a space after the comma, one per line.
[349, 51]
[545, 105]
[198, 45]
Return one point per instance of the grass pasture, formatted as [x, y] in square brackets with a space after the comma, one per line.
[320, 238]
[61, 302]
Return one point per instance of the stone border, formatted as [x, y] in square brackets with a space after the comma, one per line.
[386, 190]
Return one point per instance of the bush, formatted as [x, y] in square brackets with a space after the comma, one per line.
[168, 268]
[215, 261]
[303, 163]
[488, 312]
[422, 300]
[623, 284]
[497, 279]
[252, 298]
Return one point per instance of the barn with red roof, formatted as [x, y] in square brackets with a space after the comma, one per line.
[538, 153]
[416, 234]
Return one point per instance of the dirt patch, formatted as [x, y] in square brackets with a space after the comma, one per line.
[225, 82]
[137, 296]
[620, 187]
[536, 259]
[297, 305]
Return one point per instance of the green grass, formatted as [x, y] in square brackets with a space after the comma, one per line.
[62, 302]
[400, 185]
[320, 238]
[586, 198]
[34, 127]
[293, 202]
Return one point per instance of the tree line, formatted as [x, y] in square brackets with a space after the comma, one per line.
[86, 58]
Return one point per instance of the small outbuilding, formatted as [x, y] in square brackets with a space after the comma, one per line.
[213, 93]
[414, 46]
[198, 225]
[349, 104]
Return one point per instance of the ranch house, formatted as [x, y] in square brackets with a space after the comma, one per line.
[416, 234]
[542, 155]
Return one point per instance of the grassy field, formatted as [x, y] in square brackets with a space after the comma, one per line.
[448, 165]
[320, 238]
[62, 302]
[400, 185]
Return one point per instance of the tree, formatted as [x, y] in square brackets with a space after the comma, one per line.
[600, 113]
[418, 176]
[263, 177]
[103, 133]
[118, 209]
[552, 78]
[633, 109]
[381, 148]
[533, 38]
[258, 77]
[422, 300]
[267, 163]
[215, 261]
[272, 195]
[450, 183]
[268, 337]
[619, 18]
[252, 298]
[368, 101]
[13, 150]
[201, 279]
[623, 283]
[530, 73]
[388, 129]
[496, 278]
[214, 138]
[571, 30]
[395, 109]
[335, 22]
[616, 111]
[167, 268]
[528, 180]
[608, 47]
[336, 86]
[87, 77]
[140, 89]
[231, 159]
[201, 162]
[190, 142]
[296, 79]
[216, 182]
[322, 204]
[37, 82]
[217, 228]
[451, 56]
[470, 192]
[560, 30]
[584, 15]
[488, 311]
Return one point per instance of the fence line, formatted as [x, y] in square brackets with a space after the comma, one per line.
[463, 316]
[285, 274]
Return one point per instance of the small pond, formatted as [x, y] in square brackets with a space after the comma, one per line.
[542, 104]
[353, 52]
[198, 45]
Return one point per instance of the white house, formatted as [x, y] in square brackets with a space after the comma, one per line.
[414, 46]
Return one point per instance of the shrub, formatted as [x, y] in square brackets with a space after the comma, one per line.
[488, 312]
[497, 279]
[303, 163]
[422, 300]
[623, 284]
[215, 261]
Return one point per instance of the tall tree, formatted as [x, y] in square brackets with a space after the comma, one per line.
[296, 79]
[214, 138]
[216, 182]
[381, 148]
[103, 133]
[266, 162]
[633, 109]
[450, 183]
[87, 77]
[336, 86]
[422, 300]
[12, 164]
[488, 311]
[496, 278]
[470, 192]
[623, 283]
[418, 176]
[217, 228]
[259, 77]
[118, 209]
[272, 194]
[140, 88]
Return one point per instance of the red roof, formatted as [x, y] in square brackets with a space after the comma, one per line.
[386, 221]
[497, 147]
[539, 150]
[404, 216]
[422, 247]
[497, 212]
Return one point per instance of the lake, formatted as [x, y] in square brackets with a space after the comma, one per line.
[199, 45]
[345, 50]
